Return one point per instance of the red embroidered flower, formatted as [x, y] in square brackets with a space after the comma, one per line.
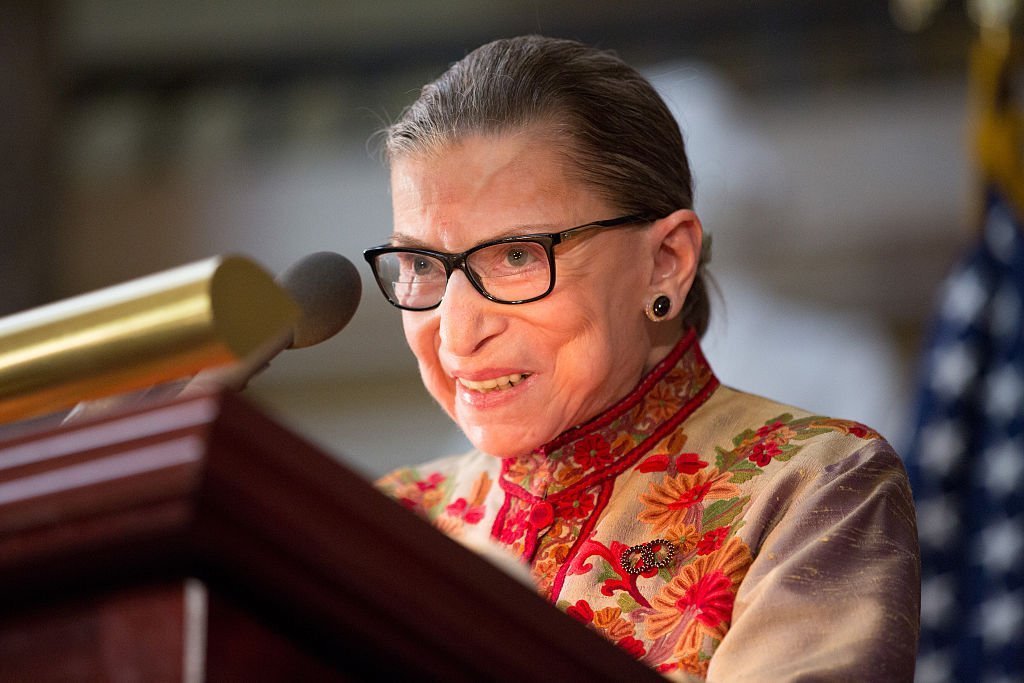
[633, 647]
[711, 598]
[699, 599]
[581, 612]
[689, 463]
[762, 453]
[686, 463]
[461, 508]
[859, 430]
[592, 450]
[513, 527]
[655, 463]
[430, 482]
[769, 428]
[577, 508]
[690, 496]
[712, 540]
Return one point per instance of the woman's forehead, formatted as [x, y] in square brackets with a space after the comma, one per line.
[479, 158]
[485, 188]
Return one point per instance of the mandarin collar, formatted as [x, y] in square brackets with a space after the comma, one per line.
[606, 444]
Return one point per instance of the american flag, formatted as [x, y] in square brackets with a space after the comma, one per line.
[966, 463]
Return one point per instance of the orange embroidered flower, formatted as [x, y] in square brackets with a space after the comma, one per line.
[523, 468]
[548, 561]
[686, 537]
[609, 620]
[566, 476]
[694, 664]
[557, 552]
[662, 402]
[606, 616]
[668, 504]
[431, 497]
[699, 600]
[622, 443]
[543, 575]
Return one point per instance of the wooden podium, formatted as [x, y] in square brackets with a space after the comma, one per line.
[199, 540]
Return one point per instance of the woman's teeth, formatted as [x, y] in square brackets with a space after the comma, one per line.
[497, 383]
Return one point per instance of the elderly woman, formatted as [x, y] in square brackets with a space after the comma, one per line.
[550, 271]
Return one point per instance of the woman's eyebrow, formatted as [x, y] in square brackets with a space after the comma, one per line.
[399, 239]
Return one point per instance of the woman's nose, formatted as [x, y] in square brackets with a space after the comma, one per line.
[468, 320]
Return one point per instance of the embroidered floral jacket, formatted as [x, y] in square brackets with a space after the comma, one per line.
[710, 533]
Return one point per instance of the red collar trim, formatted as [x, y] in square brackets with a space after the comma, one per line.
[631, 400]
[546, 462]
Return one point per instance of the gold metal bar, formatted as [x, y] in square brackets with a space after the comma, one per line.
[139, 334]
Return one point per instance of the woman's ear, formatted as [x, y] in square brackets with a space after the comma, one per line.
[676, 244]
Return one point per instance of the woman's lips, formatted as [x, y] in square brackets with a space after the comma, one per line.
[502, 383]
[486, 390]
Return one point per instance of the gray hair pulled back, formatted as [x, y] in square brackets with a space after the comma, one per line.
[618, 135]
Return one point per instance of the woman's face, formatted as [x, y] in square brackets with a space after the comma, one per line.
[578, 350]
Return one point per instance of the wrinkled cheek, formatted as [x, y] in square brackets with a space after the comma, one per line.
[440, 388]
[421, 334]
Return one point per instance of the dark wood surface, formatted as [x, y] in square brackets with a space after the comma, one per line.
[286, 541]
[130, 634]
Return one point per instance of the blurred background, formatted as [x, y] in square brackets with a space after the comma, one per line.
[831, 145]
[828, 140]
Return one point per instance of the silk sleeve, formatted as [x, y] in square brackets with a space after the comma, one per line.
[834, 592]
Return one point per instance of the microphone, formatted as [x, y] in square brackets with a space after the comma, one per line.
[151, 330]
[327, 287]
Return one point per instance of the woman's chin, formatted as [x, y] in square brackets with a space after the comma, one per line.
[500, 442]
[502, 423]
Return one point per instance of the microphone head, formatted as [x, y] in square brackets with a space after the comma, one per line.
[327, 287]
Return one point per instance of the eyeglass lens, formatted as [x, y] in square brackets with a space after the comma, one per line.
[508, 272]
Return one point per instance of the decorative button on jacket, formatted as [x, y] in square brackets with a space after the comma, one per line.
[708, 532]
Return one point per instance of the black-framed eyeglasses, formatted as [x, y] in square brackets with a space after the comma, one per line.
[511, 270]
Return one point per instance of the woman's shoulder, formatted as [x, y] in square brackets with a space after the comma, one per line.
[765, 447]
[763, 431]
